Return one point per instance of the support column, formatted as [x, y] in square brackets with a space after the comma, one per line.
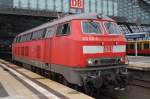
[29, 4]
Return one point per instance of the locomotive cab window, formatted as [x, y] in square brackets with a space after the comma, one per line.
[63, 29]
[91, 27]
[112, 28]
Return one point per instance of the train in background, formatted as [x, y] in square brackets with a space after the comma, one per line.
[5, 45]
[86, 50]
[143, 47]
[141, 40]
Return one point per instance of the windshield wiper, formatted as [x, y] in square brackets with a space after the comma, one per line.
[95, 27]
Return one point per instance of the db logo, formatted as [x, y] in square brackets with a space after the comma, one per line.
[108, 48]
[77, 4]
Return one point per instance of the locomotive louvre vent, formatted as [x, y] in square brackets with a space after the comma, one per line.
[104, 61]
[38, 52]
[110, 61]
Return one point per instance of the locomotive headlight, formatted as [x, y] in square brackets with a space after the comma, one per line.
[90, 61]
[93, 62]
[122, 60]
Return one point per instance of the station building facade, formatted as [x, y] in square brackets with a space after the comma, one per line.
[130, 9]
[107, 7]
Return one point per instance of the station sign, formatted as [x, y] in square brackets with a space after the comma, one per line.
[78, 4]
[136, 35]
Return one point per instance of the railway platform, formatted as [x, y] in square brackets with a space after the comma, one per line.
[139, 63]
[19, 83]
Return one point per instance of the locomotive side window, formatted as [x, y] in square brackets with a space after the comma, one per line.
[63, 29]
[91, 27]
[112, 28]
[15, 40]
[49, 32]
[38, 34]
[34, 36]
[59, 28]
[28, 38]
[18, 39]
[21, 38]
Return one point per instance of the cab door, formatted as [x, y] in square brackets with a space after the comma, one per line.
[48, 44]
[61, 47]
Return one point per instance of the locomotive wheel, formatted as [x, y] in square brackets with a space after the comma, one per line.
[52, 76]
[33, 69]
[47, 74]
[89, 89]
[77, 88]
[38, 71]
[13, 61]
[42, 72]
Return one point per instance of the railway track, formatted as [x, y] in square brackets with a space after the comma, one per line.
[141, 83]
[141, 78]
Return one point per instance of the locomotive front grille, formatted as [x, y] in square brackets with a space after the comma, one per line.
[104, 61]
[108, 61]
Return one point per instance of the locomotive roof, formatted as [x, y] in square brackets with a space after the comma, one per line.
[68, 18]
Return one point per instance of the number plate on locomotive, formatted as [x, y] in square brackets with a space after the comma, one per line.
[108, 48]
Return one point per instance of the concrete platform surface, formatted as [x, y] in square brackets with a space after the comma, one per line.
[11, 88]
[139, 63]
[20, 83]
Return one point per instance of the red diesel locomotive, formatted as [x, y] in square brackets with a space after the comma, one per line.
[85, 49]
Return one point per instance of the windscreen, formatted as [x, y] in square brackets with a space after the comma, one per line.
[91, 27]
[112, 28]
